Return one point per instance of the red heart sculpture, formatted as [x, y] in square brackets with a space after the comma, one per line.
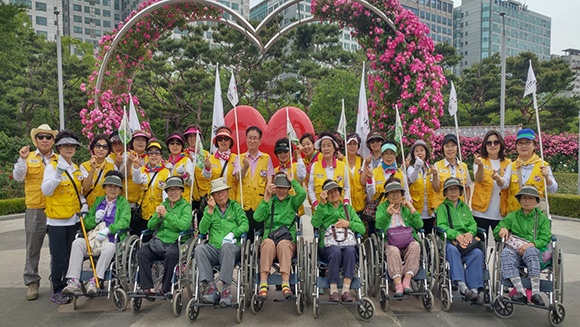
[274, 130]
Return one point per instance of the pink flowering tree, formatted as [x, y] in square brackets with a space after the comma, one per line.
[405, 72]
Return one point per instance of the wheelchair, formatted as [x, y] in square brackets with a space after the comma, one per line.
[178, 279]
[319, 281]
[442, 274]
[298, 274]
[240, 280]
[551, 283]
[115, 276]
[420, 283]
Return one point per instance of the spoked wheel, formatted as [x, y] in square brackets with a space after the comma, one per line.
[136, 304]
[240, 312]
[383, 299]
[366, 309]
[315, 307]
[371, 265]
[119, 299]
[257, 304]
[313, 270]
[503, 308]
[192, 310]
[177, 303]
[130, 262]
[445, 299]
[300, 304]
[557, 315]
[248, 269]
[558, 266]
[428, 300]
[432, 260]
[189, 260]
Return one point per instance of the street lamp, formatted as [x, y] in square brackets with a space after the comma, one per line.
[502, 95]
[59, 70]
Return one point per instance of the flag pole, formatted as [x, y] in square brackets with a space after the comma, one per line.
[342, 116]
[239, 160]
[125, 160]
[289, 142]
[541, 149]
[453, 111]
[193, 170]
[405, 183]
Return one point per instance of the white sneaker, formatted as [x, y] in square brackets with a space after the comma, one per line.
[91, 288]
[73, 286]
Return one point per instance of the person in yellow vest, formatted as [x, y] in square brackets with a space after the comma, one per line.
[117, 154]
[450, 166]
[257, 171]
[492, 171]
[30, 169]
[308, 152]
[201, 184]
[529, 169]
[223, 162]
[328, 167]
[298, 169]
[94, 170]
[421, 176]
[378, 178]
[179, 163]
[151, 179]
[355, 170]
[62, 186]
[137, 152]
[374, 143]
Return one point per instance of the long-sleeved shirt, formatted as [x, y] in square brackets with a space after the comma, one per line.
[384, 219]
[219, 224]
[176, 220]
[522, 225]
[461, 218]
[326, 215]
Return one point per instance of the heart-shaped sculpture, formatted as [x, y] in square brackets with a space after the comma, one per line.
[272, 131]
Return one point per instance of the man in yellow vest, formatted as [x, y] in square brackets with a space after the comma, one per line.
[30, 169]
[257, 172]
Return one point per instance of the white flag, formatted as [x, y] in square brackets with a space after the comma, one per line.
[124, 132]
[233, 91]
[452, 100]
[290, 132]
[342, 123]
[134, 124]
[362, 118]
[218, 108]
[531, 82]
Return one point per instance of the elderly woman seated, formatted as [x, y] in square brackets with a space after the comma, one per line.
[399, 219]
[526, 231]
[332, 215]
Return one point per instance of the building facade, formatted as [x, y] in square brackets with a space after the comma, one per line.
[436, 14]
[572, 57]
[478, 29]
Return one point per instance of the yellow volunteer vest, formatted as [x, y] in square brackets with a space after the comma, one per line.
[417, 191]
[381, 179]
[97, 186]
[444, 173]
[201, 184]
[64, 201]
[134, 191]
[536, 180]
[482, 191]
[254, 186]
[216, 172]
[154, 195]
[357, 191]
[33, 180]
[320, 176]
[182, 163]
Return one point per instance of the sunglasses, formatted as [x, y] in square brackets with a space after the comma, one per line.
[375, 140]
[102, 146]
[490, 143]
[223, 138]
[43, 137]
[154, 153]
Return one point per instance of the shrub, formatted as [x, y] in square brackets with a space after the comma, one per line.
[11, 206]
[566, 205]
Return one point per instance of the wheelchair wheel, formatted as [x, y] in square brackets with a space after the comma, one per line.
[383, 299]
[313, 269]
[315, 307]
[366, 309]
[177, 303]
[445, 299]
[136, 304]
[432, 256]
[428, 300]
[130, 263]
[190, 277]
[558, 269]
[257, 304]
[503, 308]
[300, 304]
[192, 310]
[119, 299]
[557, 314]
[247, 268]
[240, 311]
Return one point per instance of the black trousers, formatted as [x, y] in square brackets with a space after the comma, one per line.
[146, 257]
[254, 225]
[60, 240]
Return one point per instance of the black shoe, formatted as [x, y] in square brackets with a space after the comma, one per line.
[472, 296]
[537, 300]
[519, 297]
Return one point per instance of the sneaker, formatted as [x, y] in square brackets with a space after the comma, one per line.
[73, 286]
[287, 292]
[398, 290]
[91, 288]
[32, 292]
[226, 298]
[519, 297]
[211, 296]
[60, 298]
[537, 300]
[407, 286]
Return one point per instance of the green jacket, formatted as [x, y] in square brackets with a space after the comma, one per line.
[122, 216]
[284, 211]
[461, 217]
[326, 215]
[411, 220]
[177, 220]
[523, 225]
[234, 221]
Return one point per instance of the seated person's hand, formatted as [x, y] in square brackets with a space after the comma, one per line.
[101, 235]
[525, 247]
[229, 238]
[161, 211]
[504, 233]
[342, 223]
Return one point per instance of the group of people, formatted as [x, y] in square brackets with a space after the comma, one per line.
[150, 186]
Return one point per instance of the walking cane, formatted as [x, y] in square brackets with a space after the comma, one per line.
[89, 251]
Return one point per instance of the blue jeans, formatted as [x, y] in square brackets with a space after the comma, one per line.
[337, 257]
[472, 275]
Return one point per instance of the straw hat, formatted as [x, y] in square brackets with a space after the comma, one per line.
[44, 129]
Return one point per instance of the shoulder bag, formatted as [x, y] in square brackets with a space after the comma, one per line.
[341, 237]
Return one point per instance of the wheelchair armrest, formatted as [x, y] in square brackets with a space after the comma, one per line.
[243, 237]
[358, 235]
[259, 232]
[316, 233]
[554, 238]
[438, 229]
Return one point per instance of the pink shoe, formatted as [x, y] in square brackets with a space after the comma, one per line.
[407, 285]
[398, 290]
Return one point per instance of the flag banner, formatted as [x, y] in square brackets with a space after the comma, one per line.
[124, 132]
[134, 124]
[452, 101]
[218, 108]
[342, 123]
[233, 91]
[362, 118]
[531, 82]
[199, 153]
[290, 132]
[398, 128]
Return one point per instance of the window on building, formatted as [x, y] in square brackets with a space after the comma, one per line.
[97, 11]
[88, 31]
[42, 33]
[87, 20]
[235, 6]
[87, 10]
[77, 8]
[41, 20]
[78, 29]
[40, 6]
[106, 24]
[106, 13]
[106, 3]
[77, 19]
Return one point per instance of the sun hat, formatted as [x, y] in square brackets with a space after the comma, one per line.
[452, 181]
[174, 136]
[280, 180]
[416, 144]
[174, 181]
[44, 129]
[67, 140]
[526, 134]
[374, 135]
[140, 133]
[329, 185]
[219, 184]
[115, 137]
[192, 130]
[325, 137]
[154, 144]
[389, 146]
[394, 186]
[450, 137]
[528, 190]
[353, 137]
[113, 180]
[221, 133]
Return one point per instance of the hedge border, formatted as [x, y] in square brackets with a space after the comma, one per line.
[12, 206]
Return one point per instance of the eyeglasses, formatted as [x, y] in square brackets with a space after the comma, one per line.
[223, 138]
[492, 143]
[102, 146]
[154, 153]
[43, 137]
